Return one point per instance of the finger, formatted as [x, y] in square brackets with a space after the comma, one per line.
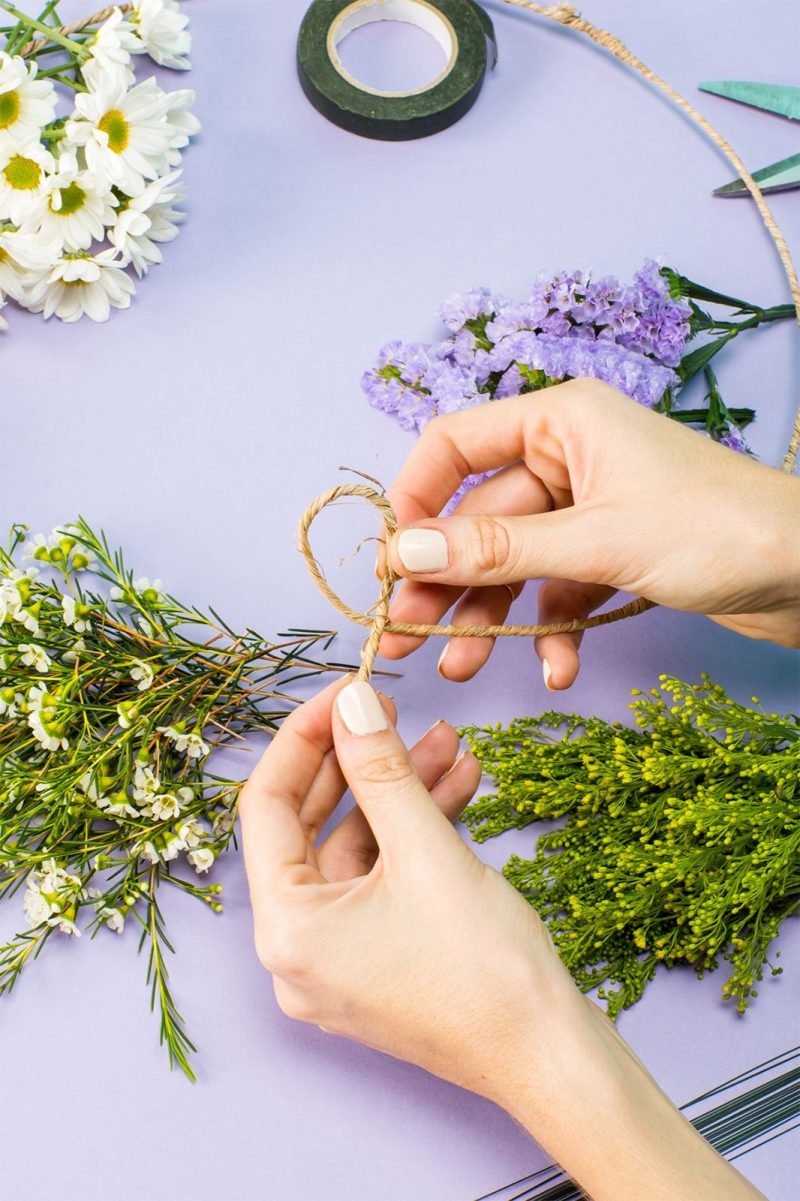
[455, 790]
[329, 785]
[513, 490]
[382, 776]
[351, 849]
[570, 543]
[275, 845]
[462, 658]
[564, 600]
[484, 438]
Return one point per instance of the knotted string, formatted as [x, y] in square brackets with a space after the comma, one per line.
[377, 619]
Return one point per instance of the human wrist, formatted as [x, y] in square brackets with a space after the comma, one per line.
[585, 1097]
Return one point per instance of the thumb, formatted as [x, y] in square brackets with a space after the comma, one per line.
[472, 551]
[381, 774]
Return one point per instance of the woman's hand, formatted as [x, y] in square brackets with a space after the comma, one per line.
[393, 933]
[596, 493]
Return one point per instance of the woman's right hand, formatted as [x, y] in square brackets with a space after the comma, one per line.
[594, 493]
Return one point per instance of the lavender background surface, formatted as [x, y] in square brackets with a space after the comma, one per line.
[196, 427]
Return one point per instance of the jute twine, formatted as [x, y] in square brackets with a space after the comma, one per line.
[377, 619]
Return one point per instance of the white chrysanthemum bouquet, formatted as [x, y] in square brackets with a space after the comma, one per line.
[88, 195]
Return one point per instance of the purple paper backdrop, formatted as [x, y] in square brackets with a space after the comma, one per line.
[196, 427]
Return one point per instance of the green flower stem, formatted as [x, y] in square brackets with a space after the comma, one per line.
[55, 73]
[47, 30]
[742, 417]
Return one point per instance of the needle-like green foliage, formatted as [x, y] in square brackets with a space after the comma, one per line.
[112, 696]
[681, 842]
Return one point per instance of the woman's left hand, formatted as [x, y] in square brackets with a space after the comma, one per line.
[391, 931]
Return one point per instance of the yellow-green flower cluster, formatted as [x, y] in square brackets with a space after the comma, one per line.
[681, 843]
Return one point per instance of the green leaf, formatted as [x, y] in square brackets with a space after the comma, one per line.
[696, 360]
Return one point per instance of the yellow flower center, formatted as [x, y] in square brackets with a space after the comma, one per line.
[117, 128]
[23, 174]
[9, 108]
[3, 255]
[72, 199]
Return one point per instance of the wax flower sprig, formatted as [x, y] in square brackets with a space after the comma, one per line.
[88, 197]
[112, 696]
[681, 838]
[571, 325]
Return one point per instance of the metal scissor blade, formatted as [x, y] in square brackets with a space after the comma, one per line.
[777, 177]
[771, 97]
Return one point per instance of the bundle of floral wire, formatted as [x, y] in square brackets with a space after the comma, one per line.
[112, 696]
[680, 842]
[89, 194]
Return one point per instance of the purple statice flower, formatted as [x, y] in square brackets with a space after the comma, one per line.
[394, 384]
[467, 306]
[734, 439]
[570, 326]
[450, 387]
[515, 317]
[599, 296]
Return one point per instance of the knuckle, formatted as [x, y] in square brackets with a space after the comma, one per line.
[294, 1004]
[278, 952]
[491, 545]
[390, 768]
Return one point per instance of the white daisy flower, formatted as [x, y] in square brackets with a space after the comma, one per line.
[164, 807]
[146, 220]
[23, 179]
[113, 918]
[201, 859]
[190, 832]
[27, 104]
[21, 254]
[10, 601]
[75, 615]
[142, 675]
[124, 133]
[82, 283]
[75, 651]
[35, 656]
[190, 744]
[162, 31]
[78, 205]
[48, 734]
[127, 714]
[183, 124]
[10, 702]
[37, 909]
[116, 806]
[110, 53]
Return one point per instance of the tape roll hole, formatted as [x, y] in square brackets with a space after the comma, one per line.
[379, 54]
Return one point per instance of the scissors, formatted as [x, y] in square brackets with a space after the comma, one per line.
[771, 98]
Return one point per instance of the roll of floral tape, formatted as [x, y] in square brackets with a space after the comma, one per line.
[460, 27]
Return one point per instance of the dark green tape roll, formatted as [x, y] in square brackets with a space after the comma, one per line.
[392, 117]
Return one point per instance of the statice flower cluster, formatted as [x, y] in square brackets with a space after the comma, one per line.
[570, 326]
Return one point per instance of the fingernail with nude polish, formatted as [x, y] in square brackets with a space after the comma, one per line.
[422, 550]
[440, 664]
[547, 672]
[360, 709]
